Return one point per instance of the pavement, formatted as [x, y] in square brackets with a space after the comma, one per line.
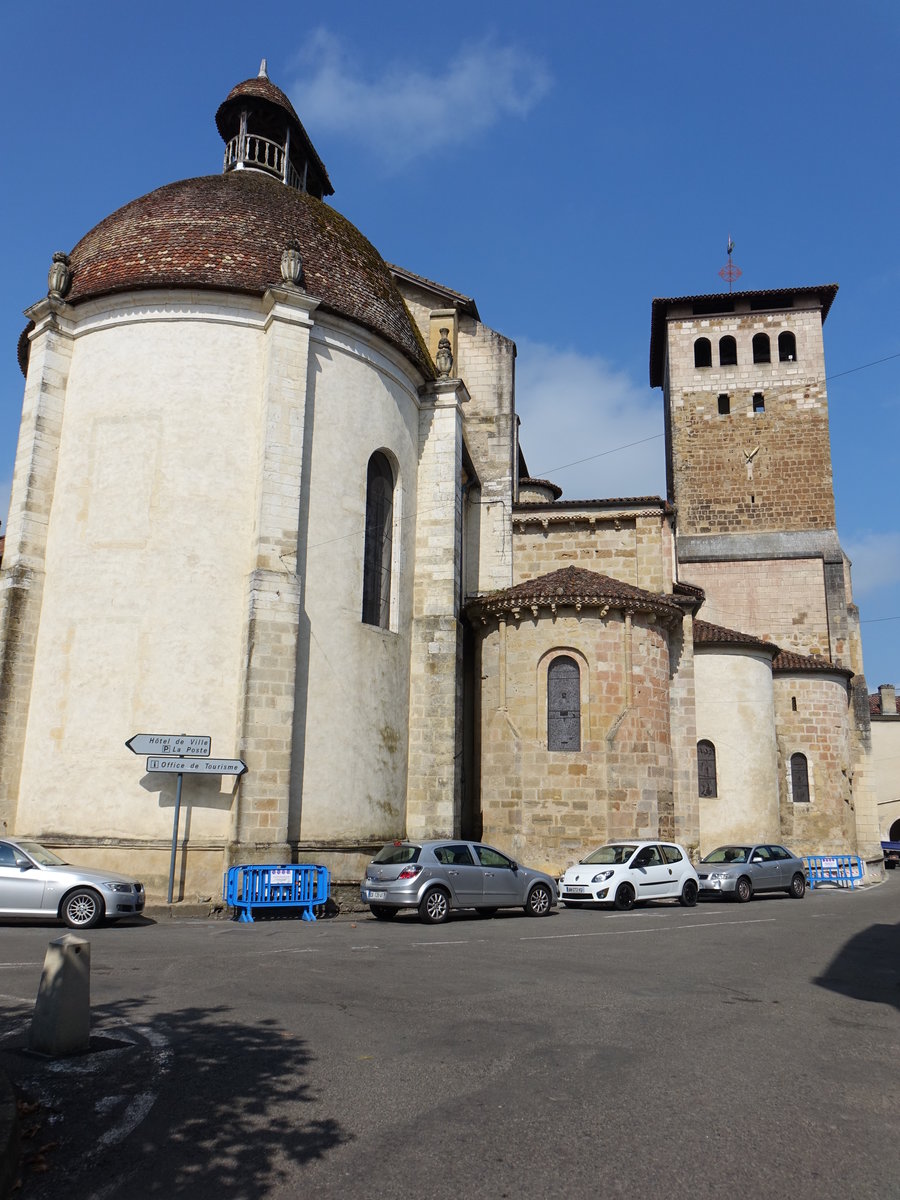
[318, 1026]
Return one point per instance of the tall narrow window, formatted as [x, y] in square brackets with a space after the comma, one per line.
[706, 768]
[727, 351]
[759, 402]
[376, 605]
[702, 353]
[761, 351]
[724, 404]
[799, 779]
[563, 704]
[787, 347]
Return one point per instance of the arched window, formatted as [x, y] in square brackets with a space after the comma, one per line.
[761, 349]
[787, 347]
[376, 605]
[702, 353]
[799, 779]
[727, 351]
[706, 768]
[563, 704]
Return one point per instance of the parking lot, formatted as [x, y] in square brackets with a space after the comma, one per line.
[748, 1049]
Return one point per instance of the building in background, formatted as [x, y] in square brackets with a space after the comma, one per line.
[269, 490]
[884, 711]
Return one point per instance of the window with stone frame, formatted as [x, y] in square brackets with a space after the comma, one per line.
[799, 779]
[563, 704]
[762, 352]
[787, 347]
[376, 602]
[702, 353]
[707, 784]
[727, 351]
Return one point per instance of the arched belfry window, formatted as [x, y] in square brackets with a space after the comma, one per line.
[799, 779]
[376, 605]
[787, 347]
[563, 704]
[762, 352]
[702, 353]
[727, 351]
[706, 769]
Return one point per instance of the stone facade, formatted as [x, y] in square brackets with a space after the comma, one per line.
[189, 546]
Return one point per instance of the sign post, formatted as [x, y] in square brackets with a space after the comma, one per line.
[181, 754]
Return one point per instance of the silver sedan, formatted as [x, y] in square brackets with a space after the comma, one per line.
[437, 876]
[738, 871]
[35, 882]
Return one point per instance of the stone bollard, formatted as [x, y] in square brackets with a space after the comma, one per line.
[61, 1023]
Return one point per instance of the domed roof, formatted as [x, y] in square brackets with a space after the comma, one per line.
[228, 232]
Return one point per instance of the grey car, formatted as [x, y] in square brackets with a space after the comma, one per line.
[737, 871]
[437, 876]
[35, 882]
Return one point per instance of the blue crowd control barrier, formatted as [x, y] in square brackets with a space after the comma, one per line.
[845, 870]
[269, 886]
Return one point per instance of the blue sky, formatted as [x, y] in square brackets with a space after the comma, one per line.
[562, 163]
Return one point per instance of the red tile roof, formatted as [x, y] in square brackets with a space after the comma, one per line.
[227, 232]
[786, 660]
[574, 587]
[707, 634]
[875, 705]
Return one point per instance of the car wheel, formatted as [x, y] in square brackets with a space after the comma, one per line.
[435, 907]
[743, 890]
[486, 912]
[798, 887]
[82, 909]
[539, 901]
[689, 893]
[383, 912]
[624, 900]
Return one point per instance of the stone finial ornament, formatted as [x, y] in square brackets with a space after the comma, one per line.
[444, 359]
[263, 70]
[59, 277]
[291, 265]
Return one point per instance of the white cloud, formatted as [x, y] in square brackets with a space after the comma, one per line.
[406, 111]
[588, 426]
[876, 561]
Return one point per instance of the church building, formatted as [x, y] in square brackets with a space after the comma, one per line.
[269, 491]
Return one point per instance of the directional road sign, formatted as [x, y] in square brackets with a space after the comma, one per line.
[170, 743]
[198, 766]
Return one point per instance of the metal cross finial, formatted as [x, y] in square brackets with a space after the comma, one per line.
[263, 70]
[731, 271]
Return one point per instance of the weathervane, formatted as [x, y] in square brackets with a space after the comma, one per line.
[731, 271]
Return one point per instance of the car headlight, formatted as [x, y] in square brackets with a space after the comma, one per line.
[718, 875]
[599, 878]
[118, 887]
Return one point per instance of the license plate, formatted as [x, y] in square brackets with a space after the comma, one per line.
[570, 888]
[377, 895]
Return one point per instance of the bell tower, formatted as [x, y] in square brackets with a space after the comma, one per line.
[748, 464]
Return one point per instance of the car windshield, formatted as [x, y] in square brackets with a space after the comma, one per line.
[610, 856]
[728, 854]
[45, 857]
[396, 853]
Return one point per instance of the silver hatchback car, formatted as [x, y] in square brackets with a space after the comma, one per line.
[35, 882]
[437, 876]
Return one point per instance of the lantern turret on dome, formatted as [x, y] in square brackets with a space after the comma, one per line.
[262, 132]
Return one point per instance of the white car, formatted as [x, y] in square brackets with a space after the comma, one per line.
[627, 873]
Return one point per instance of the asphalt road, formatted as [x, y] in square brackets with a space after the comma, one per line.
[724, 1050]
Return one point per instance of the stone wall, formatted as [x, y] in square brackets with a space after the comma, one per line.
[813, 718]
[551, 807]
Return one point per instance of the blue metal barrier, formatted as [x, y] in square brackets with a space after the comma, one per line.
[845, 870]
[270, 887]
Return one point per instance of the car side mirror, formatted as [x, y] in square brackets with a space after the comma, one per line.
[514, 866]
[25, 866]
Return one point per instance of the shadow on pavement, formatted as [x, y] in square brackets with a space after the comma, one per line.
[181, 1103]
[867, 967]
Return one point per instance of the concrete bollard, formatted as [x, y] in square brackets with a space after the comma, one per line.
[61, 1023]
